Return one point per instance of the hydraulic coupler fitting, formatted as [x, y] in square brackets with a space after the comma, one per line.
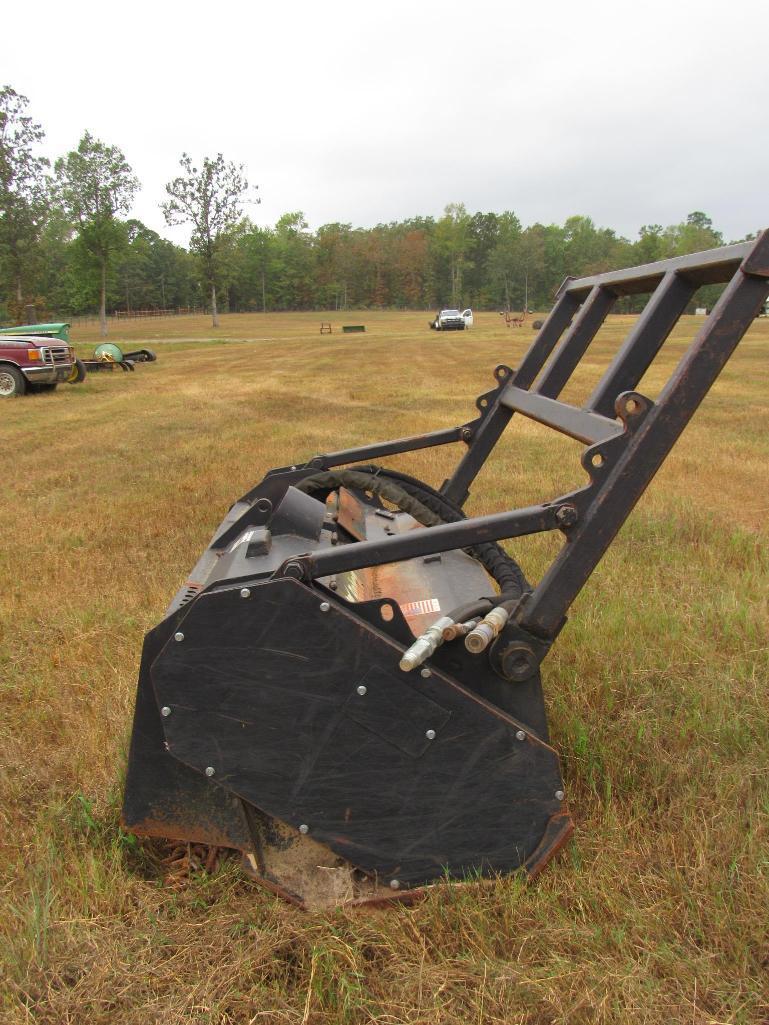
[482, 635]
[459, 629]
[424, 646]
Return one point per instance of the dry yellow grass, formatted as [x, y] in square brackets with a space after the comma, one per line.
[657, 691]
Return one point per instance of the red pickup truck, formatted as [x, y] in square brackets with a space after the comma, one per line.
[34, 363]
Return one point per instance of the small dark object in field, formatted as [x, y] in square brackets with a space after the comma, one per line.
[537, 324]
[141, 356]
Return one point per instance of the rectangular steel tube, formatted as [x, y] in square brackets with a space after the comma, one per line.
[703, 268]
[646, 450]
[577, 423]
[456, 488]
[558, 320]
[575, 342]
[644, 341]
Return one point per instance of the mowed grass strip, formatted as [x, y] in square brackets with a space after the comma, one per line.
[657, 691]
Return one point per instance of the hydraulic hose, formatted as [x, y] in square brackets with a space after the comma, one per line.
[428, 507]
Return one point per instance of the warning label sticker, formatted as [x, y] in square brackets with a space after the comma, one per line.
[420, 608]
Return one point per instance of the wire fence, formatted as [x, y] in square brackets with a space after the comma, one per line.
[93, 318]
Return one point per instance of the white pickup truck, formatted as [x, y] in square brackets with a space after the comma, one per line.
[452, 320]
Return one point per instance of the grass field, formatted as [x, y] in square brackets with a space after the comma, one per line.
[657, 694]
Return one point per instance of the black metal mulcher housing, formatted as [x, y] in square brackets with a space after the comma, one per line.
[275, 713]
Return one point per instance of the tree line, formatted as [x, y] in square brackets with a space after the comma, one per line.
[68, 245]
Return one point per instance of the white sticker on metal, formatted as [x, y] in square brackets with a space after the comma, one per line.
[420, 608]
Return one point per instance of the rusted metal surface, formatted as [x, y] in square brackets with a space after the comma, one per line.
[185, 824]
[560, 830]
[310, 876]
[304, 871]
[421, 587]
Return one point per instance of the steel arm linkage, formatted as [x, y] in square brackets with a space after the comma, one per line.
[627, 435]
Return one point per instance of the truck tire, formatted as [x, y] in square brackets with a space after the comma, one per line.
[78, 373]
[12, 381]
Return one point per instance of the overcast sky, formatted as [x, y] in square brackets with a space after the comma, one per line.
[629, 113]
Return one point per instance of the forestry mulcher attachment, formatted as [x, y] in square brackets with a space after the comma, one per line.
[347, 687]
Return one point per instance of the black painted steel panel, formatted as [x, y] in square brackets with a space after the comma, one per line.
[261, 690]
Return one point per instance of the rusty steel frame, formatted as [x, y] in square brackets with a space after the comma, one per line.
[627, 435]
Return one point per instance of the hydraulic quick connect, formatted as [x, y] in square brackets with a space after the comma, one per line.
[482, 635]
[459, 629]
[424, 646]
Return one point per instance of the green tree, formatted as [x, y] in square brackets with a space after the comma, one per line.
[24, 195]
[452, 245]
[506, 269]
[483, 234]
[335, 264]
[54, 252]
[252, 262]
[96, 185]
[293, 262]
[152, 272]
[693, 235]
[410, 266]
[650, 245]
[209, 198]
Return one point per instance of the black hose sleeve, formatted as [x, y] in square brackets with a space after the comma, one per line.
[500, 565]
[481, 606]
[428, 506]
[321, 484]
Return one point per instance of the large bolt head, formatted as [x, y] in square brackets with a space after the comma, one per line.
[294, 570]
[518, 662]
[566, 516]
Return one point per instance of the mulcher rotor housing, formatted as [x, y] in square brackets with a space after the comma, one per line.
[347, 687]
